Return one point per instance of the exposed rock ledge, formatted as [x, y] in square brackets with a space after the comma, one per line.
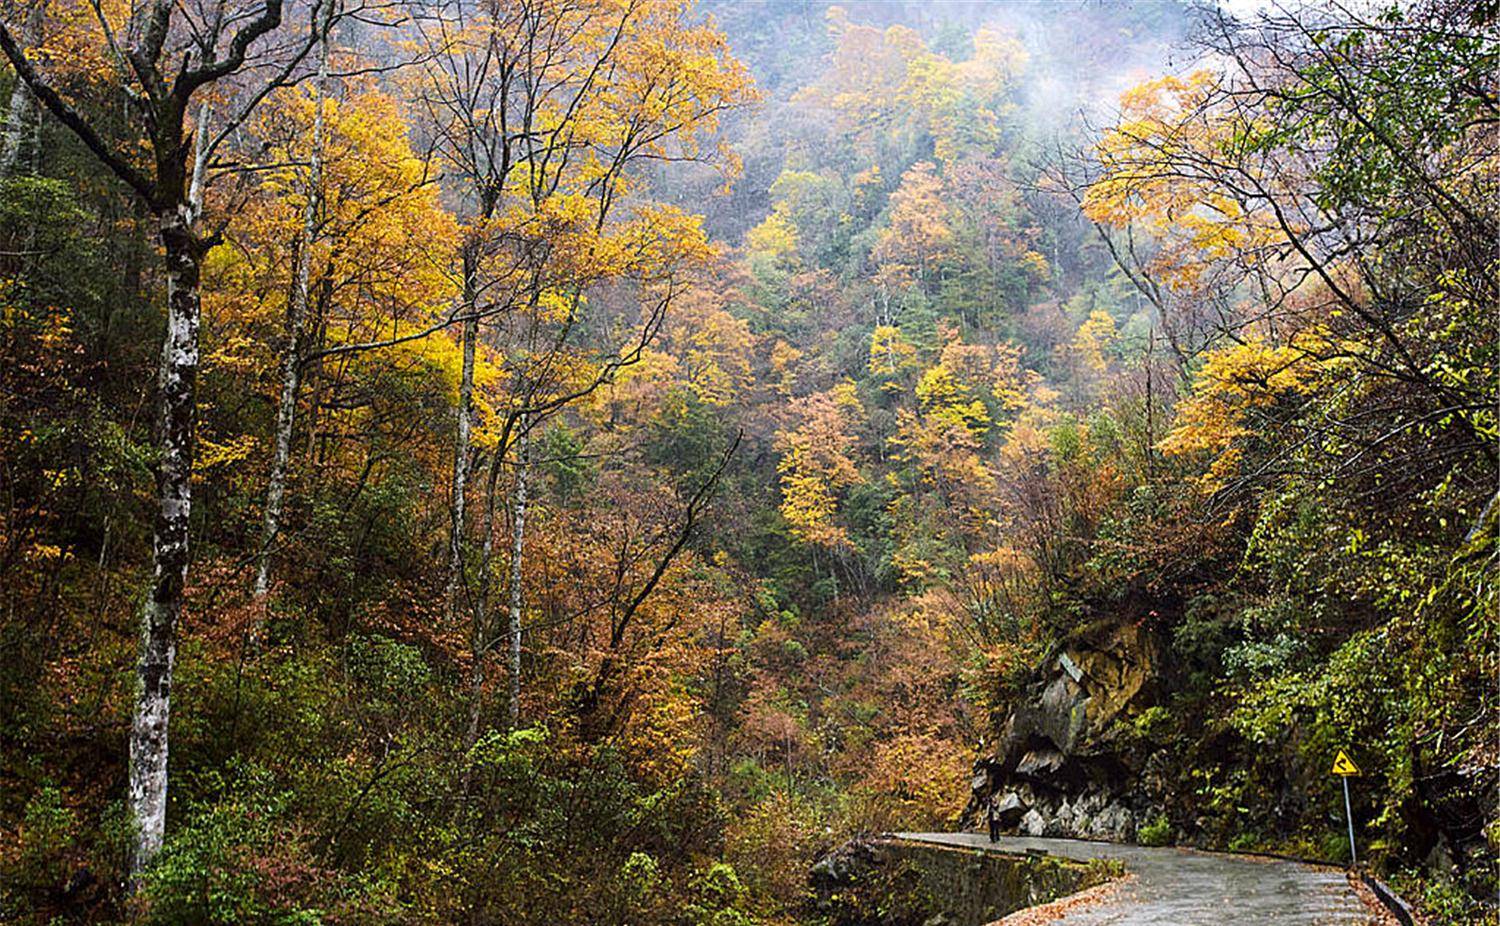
[1056, 769]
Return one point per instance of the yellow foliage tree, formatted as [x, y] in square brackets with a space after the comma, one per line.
[1234, 382]
[891, 355]
[815, 465]
[1162, 168]
[918, 233]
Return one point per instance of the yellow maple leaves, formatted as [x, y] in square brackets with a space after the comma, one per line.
[1233, 382]
[773, 241]
[714, 345]
[381, 228]
[968, 381]
[816, 467]
[1156, 124]
[1096, 335]
[1163, 168]
[891, 355]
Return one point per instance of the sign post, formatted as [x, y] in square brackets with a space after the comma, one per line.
[1344, 767]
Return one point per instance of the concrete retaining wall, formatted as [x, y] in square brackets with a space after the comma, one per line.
[888, 882]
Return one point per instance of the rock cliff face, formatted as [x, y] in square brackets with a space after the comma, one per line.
[1060, 766]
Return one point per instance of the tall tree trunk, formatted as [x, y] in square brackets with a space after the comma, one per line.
[21, 112]
[176, 379]
[19, 115]
[296, 316]
[517, 545]
[480, 637]
[465, 424]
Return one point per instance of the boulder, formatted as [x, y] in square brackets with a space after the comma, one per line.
[1116, 670]
[1063, 713]
[1114, 823]
[1056, 826]
[1064, 822]
[1090, 803]
[1009, 809]
[1033, 824]
[843, 867]
[1040, 763]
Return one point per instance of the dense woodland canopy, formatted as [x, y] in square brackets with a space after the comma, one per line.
[551, 461]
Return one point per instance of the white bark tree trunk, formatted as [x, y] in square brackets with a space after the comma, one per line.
[296, 315]
[166, 190]
[18, 116]
[176, 379]
[465, 425]
[21, 112]
[517, 546]
[481, 637]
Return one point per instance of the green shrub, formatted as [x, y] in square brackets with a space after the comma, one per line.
[1155, 832]
[235, 858]
[1245, 842]
[720, 899]
[40, 861]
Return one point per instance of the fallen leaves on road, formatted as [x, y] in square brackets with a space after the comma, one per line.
[1380, 914]
[1057, 909]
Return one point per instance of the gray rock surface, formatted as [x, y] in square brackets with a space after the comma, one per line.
[1033, 824]
[1039, 763]
[1059, 751]
[1010, 809]
[1114, 823]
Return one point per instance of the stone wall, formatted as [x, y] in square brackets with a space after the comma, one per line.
[890, 882]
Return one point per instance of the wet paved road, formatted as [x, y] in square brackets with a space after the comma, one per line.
[1180, 887]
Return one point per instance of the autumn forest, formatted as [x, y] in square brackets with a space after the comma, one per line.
[580, 461]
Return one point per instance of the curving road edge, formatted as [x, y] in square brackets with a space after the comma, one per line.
[1185, 887]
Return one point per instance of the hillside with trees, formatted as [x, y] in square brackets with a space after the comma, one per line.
[580, 461]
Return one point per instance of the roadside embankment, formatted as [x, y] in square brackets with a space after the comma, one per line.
[893, 882]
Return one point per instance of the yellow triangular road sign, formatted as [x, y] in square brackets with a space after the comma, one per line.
[1344, 766]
